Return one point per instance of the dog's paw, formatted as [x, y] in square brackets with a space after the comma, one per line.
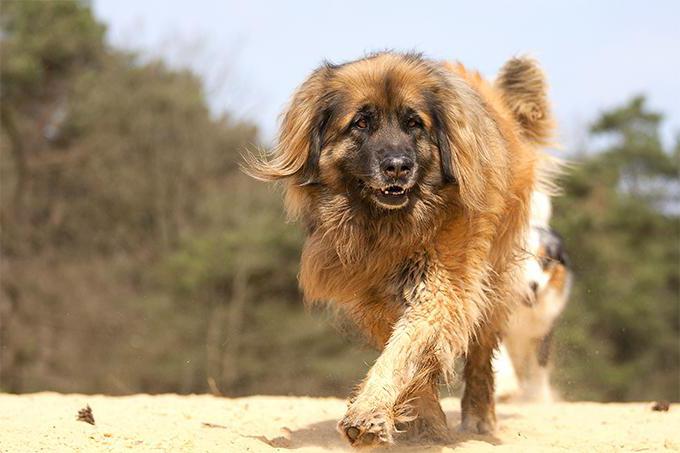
[426, 430]
[475, 424]
[367, 429]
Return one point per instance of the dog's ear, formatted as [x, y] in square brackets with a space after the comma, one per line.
[467, 138]
[523, 88]
[555, 248]
[300, 138]
[309, 173]
[443, 143]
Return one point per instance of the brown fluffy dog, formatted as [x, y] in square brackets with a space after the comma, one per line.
[413, 180]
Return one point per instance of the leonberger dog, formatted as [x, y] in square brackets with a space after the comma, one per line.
[413, 178]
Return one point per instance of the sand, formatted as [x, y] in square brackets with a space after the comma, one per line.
[202, 423]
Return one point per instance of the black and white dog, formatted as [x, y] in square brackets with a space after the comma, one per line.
[522, 365]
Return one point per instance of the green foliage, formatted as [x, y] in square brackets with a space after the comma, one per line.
[32, 58]
[619, 217]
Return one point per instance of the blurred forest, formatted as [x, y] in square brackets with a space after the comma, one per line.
[136, 257]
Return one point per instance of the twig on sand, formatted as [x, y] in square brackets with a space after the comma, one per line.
[661, 406]
[85, 415]
[213, 425]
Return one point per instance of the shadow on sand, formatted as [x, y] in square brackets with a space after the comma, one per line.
[324, 435]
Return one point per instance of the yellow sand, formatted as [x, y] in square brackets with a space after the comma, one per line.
[200, 423]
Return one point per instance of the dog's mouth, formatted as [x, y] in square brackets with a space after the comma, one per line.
[391, 197]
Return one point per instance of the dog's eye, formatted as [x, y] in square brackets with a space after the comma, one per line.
[414, 122]
[545, 262]
[361, 123]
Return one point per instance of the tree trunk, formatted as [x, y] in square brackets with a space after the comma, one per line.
[239, 295]
[20, 162]
[213, 341]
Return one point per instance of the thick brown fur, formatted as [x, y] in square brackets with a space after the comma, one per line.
[435, 280]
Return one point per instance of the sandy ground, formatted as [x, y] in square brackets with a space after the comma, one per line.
[201, 423]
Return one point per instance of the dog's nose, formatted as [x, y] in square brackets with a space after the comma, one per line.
[396, 167]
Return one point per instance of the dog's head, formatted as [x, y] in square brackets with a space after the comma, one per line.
[387, 132]
[549, 267]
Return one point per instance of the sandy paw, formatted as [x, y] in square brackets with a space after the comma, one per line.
[429, 431]
[475, 424]
[367, 430]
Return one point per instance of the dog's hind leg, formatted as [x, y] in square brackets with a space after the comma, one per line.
[478, 406]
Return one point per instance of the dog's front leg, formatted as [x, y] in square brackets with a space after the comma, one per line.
[433, 330]
[407, 362]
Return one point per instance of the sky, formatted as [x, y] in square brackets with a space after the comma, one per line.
[252, 54]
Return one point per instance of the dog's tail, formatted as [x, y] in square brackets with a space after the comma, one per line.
[524, 90]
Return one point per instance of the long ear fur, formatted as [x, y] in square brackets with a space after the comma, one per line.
[469, 141]
[524, 90]
[442, 138]
[300, 138]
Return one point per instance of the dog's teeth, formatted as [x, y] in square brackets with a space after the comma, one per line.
[394, 191]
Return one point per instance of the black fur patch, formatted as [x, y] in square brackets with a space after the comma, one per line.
[543, 351]
[441, 136]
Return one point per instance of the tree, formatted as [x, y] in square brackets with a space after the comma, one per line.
[107, 164]
[619, 217]
[36, 70]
